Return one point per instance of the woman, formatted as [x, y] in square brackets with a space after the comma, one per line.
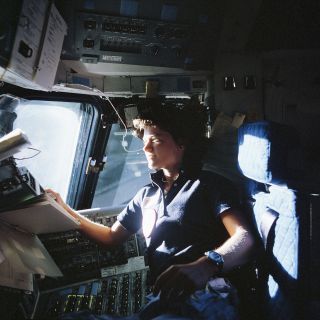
[184, 212]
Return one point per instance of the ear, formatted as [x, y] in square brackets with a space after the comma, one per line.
[181, 144]
[181, 147]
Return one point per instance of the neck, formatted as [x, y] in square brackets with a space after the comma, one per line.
[169, 178]
[171, 174]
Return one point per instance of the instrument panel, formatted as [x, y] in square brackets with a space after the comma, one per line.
[100, 280]
[104, 38]
[121, 295]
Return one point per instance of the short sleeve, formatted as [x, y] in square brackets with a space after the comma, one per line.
[131, 216]
[222, 192]
[229, 196]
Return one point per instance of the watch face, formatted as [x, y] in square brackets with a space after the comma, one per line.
[216, 258]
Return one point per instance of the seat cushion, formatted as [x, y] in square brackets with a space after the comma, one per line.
[264, 151]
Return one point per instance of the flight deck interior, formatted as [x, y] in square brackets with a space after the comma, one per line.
[73, 75]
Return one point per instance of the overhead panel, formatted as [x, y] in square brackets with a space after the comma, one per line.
[126, 40]
[173, 34]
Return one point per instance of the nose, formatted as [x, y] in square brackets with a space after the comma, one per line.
[147, 146]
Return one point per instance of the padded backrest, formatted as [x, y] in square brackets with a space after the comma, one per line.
[263, 155]
[264, 151]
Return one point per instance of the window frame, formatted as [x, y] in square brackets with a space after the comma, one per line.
[83, 182]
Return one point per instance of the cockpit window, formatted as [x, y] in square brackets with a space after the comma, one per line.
[59, 133]
[125, 171]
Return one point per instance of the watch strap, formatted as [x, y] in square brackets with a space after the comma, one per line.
[215, 258]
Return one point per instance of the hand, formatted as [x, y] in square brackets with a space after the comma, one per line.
[56, 196]
[179, 281]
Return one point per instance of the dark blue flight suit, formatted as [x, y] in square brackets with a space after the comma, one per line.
[179, 227]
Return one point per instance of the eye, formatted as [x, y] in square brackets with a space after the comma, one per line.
[153, 140]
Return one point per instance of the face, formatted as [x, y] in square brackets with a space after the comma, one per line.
[161, 151]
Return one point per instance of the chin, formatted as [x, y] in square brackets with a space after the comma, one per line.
[152, 166]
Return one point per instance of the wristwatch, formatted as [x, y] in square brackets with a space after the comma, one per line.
[216, 258]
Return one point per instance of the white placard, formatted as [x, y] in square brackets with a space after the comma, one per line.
[28, 38]
[51, 49]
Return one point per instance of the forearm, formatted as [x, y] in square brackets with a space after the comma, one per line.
[104, 235]
[97, 232]
[237, 250]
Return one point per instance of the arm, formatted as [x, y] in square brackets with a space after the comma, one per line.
[181, 280]
[104, 235]
[238, 249]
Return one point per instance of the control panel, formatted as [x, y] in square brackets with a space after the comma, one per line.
[103, 38]
[101, 280]
[98, 279]
[121, 295]
[16, 184]
[80, 258]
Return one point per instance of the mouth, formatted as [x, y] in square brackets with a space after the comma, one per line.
[150, 157]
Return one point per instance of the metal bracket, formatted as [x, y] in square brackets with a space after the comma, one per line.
[93, 166]
[104, 121]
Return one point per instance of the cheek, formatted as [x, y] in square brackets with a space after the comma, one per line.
[168, 150]
[175, 154]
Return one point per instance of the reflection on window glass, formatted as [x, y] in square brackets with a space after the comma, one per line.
[125, 171]
[52, 128]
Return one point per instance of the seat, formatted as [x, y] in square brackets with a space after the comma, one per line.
[264, 156]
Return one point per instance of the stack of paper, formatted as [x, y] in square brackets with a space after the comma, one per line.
[42, 215]
[22, 255]
[21, 252]
[12, 143]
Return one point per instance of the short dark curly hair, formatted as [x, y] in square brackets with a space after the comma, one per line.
[185, 122]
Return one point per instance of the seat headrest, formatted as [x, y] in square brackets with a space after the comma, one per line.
[264, 151]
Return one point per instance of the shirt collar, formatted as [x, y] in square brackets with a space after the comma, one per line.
[156, 177]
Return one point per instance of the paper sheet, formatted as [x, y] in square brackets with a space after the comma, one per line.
[12, 143]
[51, 50]
[43, 216]
[28, 36]
[10, 278]
[25, 253]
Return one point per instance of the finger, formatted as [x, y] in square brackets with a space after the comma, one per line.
[52, 193]
[180, 295]
[177, 285]
[55, 196]
[174, 294]
[186, 292]
[167, 296]
[166, 277]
